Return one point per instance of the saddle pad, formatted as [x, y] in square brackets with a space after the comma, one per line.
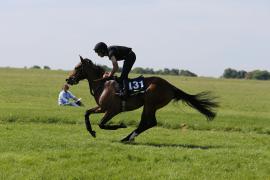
[136, 85]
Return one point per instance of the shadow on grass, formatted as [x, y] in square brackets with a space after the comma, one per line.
[189, 146]
[162, 145]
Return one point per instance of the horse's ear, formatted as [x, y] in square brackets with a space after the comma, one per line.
[82, 59]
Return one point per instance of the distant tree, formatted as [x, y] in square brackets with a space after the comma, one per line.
[174, 72]
[187, 73]
[230, 73]
[166, 71]
[159, 72]
[138, 70]
[241, 74]
[249, 75]
[262, 75]
[106, 68]
[258, 74]
[234, 74]
[35, 67]
[149, 71]
[46, 67]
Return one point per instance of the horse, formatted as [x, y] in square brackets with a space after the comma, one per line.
[158, 93]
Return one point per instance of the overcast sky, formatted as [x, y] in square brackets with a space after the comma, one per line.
[204, 37]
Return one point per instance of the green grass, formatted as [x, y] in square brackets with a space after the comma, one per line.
[39, 140]
[62, 151]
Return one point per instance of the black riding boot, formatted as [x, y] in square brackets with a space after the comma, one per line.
[124, 89]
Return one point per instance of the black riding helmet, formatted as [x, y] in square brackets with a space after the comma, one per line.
[101, 47]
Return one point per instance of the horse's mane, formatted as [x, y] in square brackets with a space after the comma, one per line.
[99, 70]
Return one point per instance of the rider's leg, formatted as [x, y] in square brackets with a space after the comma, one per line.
[128, 63]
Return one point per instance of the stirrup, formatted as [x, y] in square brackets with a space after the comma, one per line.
[120, 93]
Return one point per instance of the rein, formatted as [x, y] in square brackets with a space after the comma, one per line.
[93, 91]
[106, 79]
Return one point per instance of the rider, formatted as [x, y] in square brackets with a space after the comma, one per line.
[118, 53]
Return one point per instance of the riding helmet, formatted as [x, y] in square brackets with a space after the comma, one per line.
[100, 47]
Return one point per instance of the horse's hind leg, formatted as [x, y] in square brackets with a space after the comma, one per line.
[148, 120]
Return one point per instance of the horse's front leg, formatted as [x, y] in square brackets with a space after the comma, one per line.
[87, 119]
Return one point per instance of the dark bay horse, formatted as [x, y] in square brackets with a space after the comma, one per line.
[158, 93]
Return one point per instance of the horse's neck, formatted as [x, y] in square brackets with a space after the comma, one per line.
[96, 88]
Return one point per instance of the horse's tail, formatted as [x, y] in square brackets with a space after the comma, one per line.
[203, 102]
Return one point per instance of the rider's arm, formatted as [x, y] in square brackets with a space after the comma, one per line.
[115, 66]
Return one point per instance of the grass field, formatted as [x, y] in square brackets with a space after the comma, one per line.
[39, 140]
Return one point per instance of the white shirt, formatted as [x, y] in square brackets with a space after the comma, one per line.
[64, 97]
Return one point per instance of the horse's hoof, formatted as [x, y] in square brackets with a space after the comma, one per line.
[124, 140]
[93, 133]
[127, 140]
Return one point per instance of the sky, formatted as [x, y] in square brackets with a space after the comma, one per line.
[204, 37]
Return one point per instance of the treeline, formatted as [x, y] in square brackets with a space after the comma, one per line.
[228, 73]
[39, 67]
[140, 70]
[165, 71]
[256, 74]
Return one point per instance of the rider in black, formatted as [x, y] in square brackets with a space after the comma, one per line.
[118, 53]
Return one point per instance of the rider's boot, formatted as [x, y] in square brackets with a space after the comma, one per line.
[123, 92]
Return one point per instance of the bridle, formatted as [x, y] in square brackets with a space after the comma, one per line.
[74, 78]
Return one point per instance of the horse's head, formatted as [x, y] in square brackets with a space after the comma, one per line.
[85, 70]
